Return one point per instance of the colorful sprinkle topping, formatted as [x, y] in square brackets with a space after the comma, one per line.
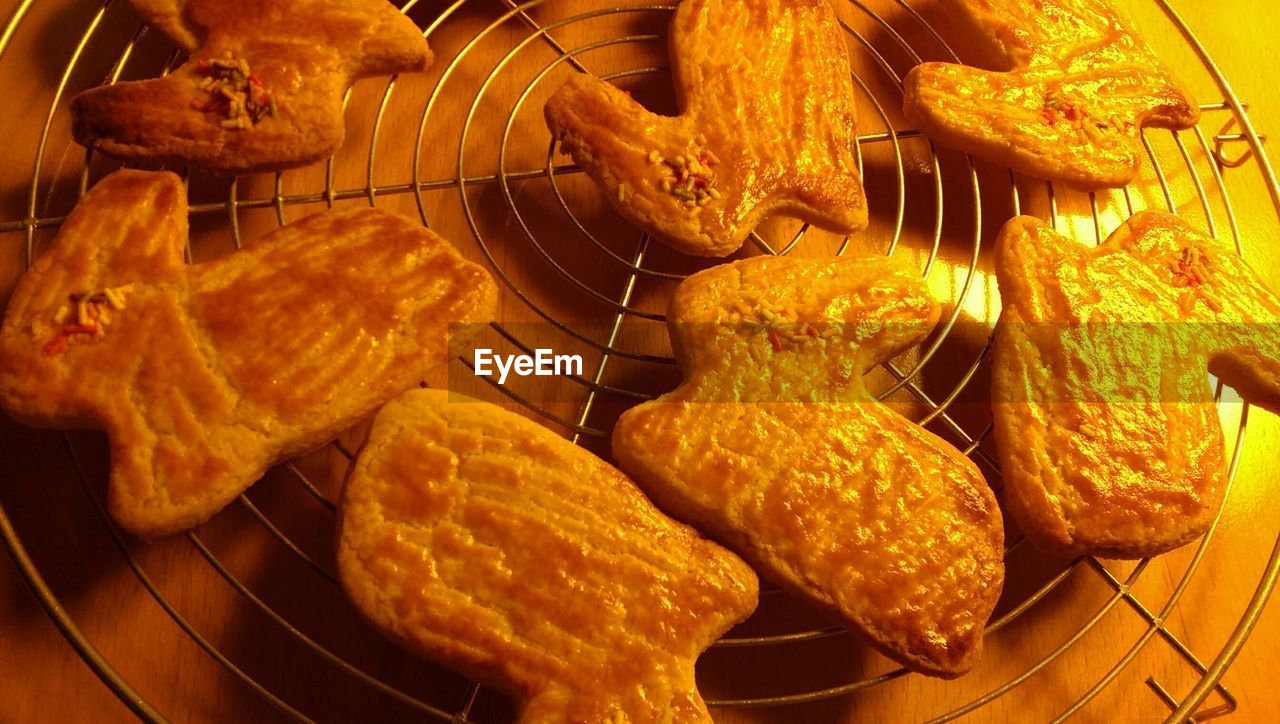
[86, 315]
[235, 92]
[779, 324]
[1189, 269]
[1055, 106]
[688, 177]
[1088, 127]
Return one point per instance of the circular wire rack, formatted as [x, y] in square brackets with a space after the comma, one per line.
[471, 172]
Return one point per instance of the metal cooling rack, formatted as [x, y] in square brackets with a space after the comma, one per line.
[1235, 145]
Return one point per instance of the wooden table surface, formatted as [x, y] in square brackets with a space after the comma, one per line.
[50, 500]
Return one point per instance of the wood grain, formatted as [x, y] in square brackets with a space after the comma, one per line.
[42, 679]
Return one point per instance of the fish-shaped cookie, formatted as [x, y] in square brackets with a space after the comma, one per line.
[203, 376]
[767, 126]
[262, 89]
[1075, 86]
[775, 447]
[1108, 437]
[478, 538]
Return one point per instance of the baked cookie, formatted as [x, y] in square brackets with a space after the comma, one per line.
[763, 131]
[205, 375]
[1076, 86]
[774, 446]
[1108, 437]
[478, 538]
[262, 90]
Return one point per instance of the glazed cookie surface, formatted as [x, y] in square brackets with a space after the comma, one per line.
[478, 538]
[1075, 85]
[204, 375]
[1108, 436]
[775, 447]
[767, 126]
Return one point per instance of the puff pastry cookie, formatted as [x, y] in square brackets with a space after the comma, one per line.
[775, 447]
[767, 127]
[1108, 437]
[478, 538]
[1075, 86]
[262, 90]
[205, 375]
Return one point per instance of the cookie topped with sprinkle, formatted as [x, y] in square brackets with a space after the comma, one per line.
[204, 375]
[1073, 85]
[770, 131]
[262, 89]
[1109, 437]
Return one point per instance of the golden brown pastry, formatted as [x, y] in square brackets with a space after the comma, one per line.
[774, 446]
[203, 376]
[1108, 437]
[262, 90]
[1075, 86]
[478, 538]
[767, 127]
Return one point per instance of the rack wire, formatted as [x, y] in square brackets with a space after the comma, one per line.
[876, 41]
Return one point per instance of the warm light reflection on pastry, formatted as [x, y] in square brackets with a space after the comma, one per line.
[1079, 87]
[480, 539]
[767, 126]
[263, 87]
[205, 375]
[1108, 438]
[774, 446]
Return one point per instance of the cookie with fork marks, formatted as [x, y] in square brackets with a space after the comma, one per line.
[480, 539]
[205, 375]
